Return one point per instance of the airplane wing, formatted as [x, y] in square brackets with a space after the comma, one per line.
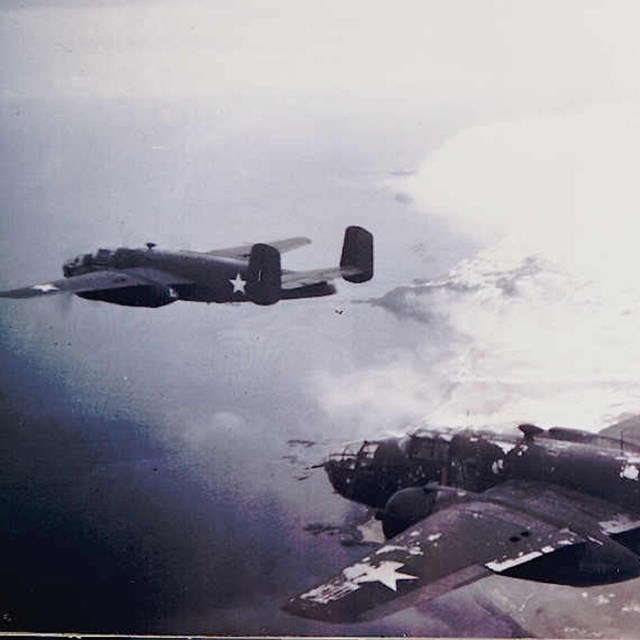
[97, 281]
[242, 252]
[493, 532]
[295, 279]
[625, 431]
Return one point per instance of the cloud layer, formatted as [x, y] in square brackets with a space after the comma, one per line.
[541, 324]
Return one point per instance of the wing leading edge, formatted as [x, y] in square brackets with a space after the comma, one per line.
[105, 279]
[500, 531]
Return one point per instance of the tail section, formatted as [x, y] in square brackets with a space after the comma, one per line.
[264, 275]
[357, 253]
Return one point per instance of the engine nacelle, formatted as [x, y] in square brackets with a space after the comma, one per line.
[405, 508]
[135, 296]
[264, 275]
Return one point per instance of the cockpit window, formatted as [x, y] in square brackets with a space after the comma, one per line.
[78, 265]
[102, 256]
[434, 449]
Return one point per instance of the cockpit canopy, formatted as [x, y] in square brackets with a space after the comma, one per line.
[88, 261]
[103, 257]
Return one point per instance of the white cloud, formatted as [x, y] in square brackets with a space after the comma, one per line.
[543, 321]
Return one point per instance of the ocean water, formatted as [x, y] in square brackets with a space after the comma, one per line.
[153, 457]
[150, 485]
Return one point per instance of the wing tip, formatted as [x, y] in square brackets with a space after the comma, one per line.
[30, 292]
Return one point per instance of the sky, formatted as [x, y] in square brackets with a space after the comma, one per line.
[525, 55]
[157, 441]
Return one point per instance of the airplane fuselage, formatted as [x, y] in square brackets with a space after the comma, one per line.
[408, 479]
[247, 273]
[560, 506]
[207, 278]
[601, 467]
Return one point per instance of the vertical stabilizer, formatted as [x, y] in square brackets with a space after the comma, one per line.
[264, 275]
[357, 253]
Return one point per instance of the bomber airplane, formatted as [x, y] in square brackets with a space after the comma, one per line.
[154, 278]
[558, 506]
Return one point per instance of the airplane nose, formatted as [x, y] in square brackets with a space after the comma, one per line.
[67, 268]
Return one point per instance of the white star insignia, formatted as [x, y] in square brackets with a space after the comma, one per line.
[238, 284]
[386, 573]
[45, 288]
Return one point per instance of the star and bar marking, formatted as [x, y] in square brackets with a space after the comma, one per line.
[238, 284]
[386, 573]
[46, 288]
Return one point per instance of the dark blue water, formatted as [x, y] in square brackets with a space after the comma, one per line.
[147, 483]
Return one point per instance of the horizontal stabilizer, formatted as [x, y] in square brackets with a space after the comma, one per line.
[297, 279]
[243, 251]
[356, 263]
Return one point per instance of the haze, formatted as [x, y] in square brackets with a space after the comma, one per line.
[149, 484]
